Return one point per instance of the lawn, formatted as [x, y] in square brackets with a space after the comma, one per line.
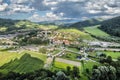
[94, 30]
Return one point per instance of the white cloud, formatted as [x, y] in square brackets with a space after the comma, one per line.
[61, 9]
[20, 8]
[3, 6]
[48, 17]
[1, 0]
[50, 2]
[21, 1]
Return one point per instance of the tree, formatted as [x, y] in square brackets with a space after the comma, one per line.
[53, 62]
[43, 50]
[82, 62]
[61, 76]
[76, 72]
[109, 59]
[68, 70]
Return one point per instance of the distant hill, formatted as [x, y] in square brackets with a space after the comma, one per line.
[90, 22]
[61, 23]
[7, 25]
[111, 26]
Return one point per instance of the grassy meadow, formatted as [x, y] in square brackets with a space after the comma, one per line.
[73, 34]
[94, 30]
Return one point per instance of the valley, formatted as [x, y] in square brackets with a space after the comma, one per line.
[28, 47]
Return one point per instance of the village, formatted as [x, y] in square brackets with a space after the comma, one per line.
[57, 45]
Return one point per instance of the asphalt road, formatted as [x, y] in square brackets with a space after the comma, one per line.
[75, 63]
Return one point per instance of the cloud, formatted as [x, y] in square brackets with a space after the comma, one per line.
[3, 6]
[1, 1]
[20, 8]
[62, 9]
[48, 17]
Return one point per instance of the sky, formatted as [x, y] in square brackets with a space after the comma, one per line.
[50, 10]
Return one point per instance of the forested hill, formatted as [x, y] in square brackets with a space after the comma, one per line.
[111, 26]
[90, 22]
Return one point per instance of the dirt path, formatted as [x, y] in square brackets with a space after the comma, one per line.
[48, 62]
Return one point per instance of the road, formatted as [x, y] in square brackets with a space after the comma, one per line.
[110, 49]
[68, 61]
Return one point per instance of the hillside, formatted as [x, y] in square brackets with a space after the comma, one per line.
[112, 26]
[73, 34]
[8, 25]
[26, 61]
[12, 26]
[24, 64]
[94, 30]
[86, 23]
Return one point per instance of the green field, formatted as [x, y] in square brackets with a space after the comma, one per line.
[25, 61]
[94, 30]
[73, 34]
[114, 55]
[70, 56]
[89, 64]
[61, 65]
[73, 49]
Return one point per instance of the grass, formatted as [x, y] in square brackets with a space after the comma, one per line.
[89, 64]
[16, 63]
[25, 64]
[6, 56]
[70, 56]
[73, 34]
[36, 54]
[2, 29]
[61, 65]
[48, 27]
[55, 51]
[94, 30]
[73, 49]
[114, 55]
